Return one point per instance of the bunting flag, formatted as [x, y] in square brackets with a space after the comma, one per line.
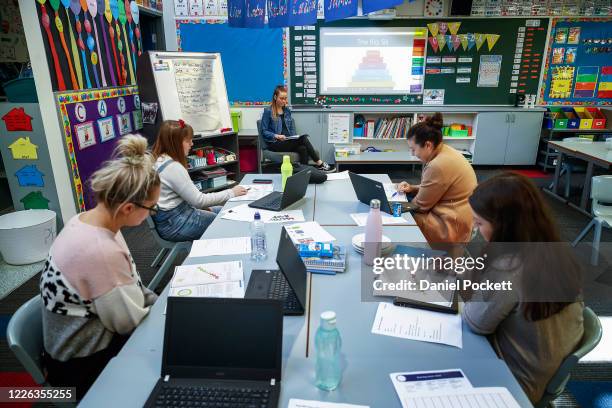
[433, 29]
[449, 42]
[471, 38]
[255, 13]
[491, 40]
[443, 27]
[338, 9]
[463, 39]
[480, 39]
[303, 12]
[441, 41]
[370, 6]
[433, 41]
[235, 13]
[278, 13]
[456, 42]
[454, 27]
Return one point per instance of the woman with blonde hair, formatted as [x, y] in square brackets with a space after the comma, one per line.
[184, 211]
[92, 293]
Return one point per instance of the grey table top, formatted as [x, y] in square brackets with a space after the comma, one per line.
[368, 359]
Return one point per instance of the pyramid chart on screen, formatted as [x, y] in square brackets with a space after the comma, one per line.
[372, 73]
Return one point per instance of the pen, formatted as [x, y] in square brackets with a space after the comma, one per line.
[394, 194]
[214, 275]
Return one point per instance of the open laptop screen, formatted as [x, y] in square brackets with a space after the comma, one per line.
[290, 262]
[223, 338]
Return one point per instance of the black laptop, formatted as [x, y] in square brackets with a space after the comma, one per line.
[367, 190]
[287, 284]
[295, 189]
[220, 352]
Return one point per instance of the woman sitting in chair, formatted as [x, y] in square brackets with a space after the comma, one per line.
[537, 322]
[280, 135]
[92, 293]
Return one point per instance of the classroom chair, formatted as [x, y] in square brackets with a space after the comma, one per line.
[270, 157]
[170, 250]
[601, 192]
[24, 335]
[590, 339]
[571, 165]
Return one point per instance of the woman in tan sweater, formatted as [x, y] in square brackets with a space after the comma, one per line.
[447, 181]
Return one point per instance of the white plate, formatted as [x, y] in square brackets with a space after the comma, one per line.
[358, 239]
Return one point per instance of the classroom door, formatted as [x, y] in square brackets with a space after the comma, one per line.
[491, 138]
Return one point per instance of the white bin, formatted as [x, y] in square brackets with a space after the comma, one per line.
[26, 236]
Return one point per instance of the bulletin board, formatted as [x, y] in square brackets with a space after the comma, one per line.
[469, 61]
[92, 122]
[254, 61]
[579, 63]
[90, 43]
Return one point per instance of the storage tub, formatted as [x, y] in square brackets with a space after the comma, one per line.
[26, 236]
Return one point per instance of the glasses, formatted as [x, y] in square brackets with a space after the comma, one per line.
[152, 210]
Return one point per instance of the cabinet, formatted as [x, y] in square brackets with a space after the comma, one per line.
[508, 138]
[201, 175]
[311, 123]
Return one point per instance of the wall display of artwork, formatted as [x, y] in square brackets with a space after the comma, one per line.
[91, 123]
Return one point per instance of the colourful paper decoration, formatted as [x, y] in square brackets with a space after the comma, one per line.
[454, 27]
[433, 41]
[480, 39]
[471, 37]
[24, 149]
[30, 176]
[443, 27]
[17, 120]
[456, 42]
[491, 40]
[449, 42]
[463, 38]
[433, 29]
[35, 201]
[441, 41]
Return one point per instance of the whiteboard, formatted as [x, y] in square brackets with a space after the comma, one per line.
[191, 86]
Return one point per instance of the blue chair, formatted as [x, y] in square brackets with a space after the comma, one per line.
[590, 339]
[170, 250]
[571, 165]
[24, 335]
[601, 192]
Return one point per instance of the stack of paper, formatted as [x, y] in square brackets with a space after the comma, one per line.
[306, 232]
[327, 266]
[245, 213]
[387, 219]
[298, 403]
[255, 192]
[219, 279]
[416, 324]
[343, 175]
[221, 246]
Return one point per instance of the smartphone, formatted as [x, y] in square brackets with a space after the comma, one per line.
[262, 181]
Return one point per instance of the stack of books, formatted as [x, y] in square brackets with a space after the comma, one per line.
[388, 128]
[327, 266]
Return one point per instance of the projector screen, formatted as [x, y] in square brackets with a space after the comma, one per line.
[372, 61]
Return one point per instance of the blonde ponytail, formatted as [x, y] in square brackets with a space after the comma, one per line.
[129, 177]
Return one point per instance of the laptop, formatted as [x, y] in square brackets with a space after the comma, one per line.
[287, 284]
[295, 189]
[367, 190]
[207, 361]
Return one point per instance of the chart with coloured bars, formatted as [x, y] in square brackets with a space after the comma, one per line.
[375, 61]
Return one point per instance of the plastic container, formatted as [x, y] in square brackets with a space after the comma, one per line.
[21, 90]
[259, 249]
[286, 170]
[328, 367]
[236, 120]
[26, 236]
[573, 120]
[558, 117]
[586, 121]
[599, 120]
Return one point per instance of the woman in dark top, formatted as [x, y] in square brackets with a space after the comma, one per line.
[279, 131]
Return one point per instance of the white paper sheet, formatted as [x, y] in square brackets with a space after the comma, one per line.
[221, 246]
[405, 219]
[298, 403]
[416, 324]
[256, 191]
[215, 272]
[233, 289]
[490, 397]
[408, 383]
[338, 127]
[311, 231]
[245, 213]
[392, 193]
[338, 176]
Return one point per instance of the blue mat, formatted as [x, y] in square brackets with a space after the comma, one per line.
[592, 394]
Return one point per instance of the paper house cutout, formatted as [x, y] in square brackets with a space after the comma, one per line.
[35, 201]
[17, 120]
[22, 148]
[30, 176]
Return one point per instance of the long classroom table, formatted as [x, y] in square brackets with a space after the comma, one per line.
[369, 359]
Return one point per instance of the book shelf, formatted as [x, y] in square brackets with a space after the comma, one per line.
[227, 141]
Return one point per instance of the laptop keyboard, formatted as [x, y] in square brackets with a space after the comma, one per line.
[211, 397]
[280, 289]
[272, 201]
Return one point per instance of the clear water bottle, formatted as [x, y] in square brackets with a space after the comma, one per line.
[327, 347]
[373, 234]
[258, 239]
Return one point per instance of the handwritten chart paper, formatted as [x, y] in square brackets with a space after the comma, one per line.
[197, 93]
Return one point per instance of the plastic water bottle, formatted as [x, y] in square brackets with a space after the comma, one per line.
[327, 347]
[258, 239]
[373, 234]
[286, 170]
